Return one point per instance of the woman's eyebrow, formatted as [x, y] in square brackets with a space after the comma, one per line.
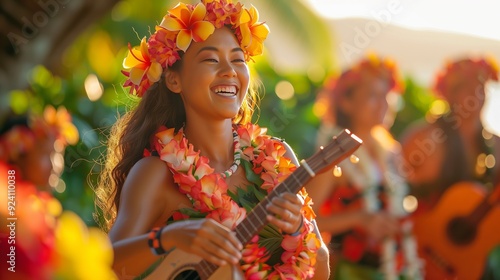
[211, 48]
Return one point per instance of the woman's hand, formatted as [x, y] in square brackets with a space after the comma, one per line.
[380, 225]
[205, 238]
[286, 212]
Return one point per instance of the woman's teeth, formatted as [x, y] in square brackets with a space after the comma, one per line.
[226, 91]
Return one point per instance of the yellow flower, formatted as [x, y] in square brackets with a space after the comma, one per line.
[141, 65]
[82, 253]
[253, 33]
[190, 24]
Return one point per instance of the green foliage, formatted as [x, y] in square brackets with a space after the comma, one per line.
[416, 102]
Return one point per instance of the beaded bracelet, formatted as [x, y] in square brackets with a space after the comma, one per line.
[154, 242]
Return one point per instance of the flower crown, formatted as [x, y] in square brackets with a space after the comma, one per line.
[183, 24]
[383, 68]
[483, 69]
[21, 138]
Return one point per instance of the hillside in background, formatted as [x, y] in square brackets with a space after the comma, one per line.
[419, 53]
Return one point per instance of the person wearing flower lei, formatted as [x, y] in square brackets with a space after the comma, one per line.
[464, 152]
[462, 85]
[358, 209]
[186, 166]
[38, 239]
[29, 141]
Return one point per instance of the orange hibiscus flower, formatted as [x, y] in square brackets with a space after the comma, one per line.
[190, 24]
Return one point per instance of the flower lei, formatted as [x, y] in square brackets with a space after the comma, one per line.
[209, 194]
[454, 72]
[186, 23]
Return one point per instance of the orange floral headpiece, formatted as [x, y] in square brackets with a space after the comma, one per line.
[183, 24]
[383, 68]
[483, 69]
[22, 138]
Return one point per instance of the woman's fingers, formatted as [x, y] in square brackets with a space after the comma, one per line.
[286, 212]
[217, 244]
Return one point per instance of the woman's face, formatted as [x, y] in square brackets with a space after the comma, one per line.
[368, 102]
[467, 98]
[214, 77]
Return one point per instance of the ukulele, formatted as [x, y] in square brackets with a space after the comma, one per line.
[456, 236]
[179, 265]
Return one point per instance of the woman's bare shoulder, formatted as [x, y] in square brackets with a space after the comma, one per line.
[144, 197]
[150, 171]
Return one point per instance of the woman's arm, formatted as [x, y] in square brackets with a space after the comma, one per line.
[148, 198]
[142, 206]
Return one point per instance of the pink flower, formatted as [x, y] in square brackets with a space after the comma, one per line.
[268, 163]
[290, 243]
[172, 154]
[287, 271]
[202, 168]
[180, 159]
[230, 215]
[252, 252]
[248, 153]
[186, 181]
[211, 192]
[222, 12]
[165, 135]
[256, 271]
[269, 181]
[163, 48]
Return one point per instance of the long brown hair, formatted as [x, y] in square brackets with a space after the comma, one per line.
[133, 132]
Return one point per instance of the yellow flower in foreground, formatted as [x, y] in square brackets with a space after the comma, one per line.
[81, 253]
[190, 24]
[253, 33]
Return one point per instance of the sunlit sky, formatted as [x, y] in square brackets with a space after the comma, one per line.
[478, 18]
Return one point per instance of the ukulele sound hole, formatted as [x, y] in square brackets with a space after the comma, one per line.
[188, 275]
[461, 231]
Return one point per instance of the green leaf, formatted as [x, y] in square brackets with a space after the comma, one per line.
[260, 193]
[251, 176]
[192, 213]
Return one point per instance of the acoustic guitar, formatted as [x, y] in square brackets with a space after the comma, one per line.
[456, 236]
[179, 265]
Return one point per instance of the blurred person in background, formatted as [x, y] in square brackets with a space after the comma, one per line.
[360, 209]
[450, 164]
[39, 240]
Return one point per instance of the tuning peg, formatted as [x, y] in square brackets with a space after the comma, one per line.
[337, 171]
[354, 159]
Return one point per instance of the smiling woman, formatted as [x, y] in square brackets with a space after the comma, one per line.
[185, 166]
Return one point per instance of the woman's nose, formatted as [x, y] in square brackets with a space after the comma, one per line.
[227, 69]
